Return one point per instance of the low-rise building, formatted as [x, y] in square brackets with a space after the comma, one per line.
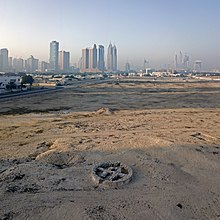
[9, 80]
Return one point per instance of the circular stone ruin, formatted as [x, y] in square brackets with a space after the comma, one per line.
[111, 174]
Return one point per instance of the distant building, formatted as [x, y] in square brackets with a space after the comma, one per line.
[127, 67]
[4, 60]
[182, 63]
[31, 64]
[198, 66]
[181, 58]
[93, 59]
[85, 60]
[18, 65]
[101, 61]
[10, 64]
[90, 60]
[64, 61]
[186, 62]
[145, 65]
[112, 58]
[115, 59]
[175, 62]
[54, 48]
[44, 66]
[80, 63]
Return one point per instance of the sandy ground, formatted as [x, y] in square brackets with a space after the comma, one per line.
[167, 132]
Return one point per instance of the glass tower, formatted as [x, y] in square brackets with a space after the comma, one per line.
[101, 62]
[54, 54]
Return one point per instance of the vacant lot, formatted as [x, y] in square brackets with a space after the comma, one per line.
[167, 131]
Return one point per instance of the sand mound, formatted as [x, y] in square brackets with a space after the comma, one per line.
[106, 111]
[62, 144]
[60, 153]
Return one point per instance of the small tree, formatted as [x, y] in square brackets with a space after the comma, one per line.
[27, 79]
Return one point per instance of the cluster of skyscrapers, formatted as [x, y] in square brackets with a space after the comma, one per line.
[93, 59]
[8, 64]
[59, 61]
[181, 62]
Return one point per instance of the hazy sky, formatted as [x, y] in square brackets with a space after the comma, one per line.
[151, 29]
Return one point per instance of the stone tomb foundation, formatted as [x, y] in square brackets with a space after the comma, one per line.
[111, 174]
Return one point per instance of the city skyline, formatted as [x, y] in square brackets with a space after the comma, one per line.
[152, 30]
[93, 60]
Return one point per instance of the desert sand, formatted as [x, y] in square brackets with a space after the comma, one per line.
[167, 131]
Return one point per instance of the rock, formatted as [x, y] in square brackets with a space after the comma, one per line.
[104, 174]
[179, 205]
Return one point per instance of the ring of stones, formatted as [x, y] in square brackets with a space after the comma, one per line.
[111, 174]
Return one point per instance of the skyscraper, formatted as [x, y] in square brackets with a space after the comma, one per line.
[112, 58]
[85, 60]
[198, 66]
[101, 61]
[186, 61]
[89, 59]
[182, 63]
[64, 61]
[127, 67]
[54, 48]
[115, 59]
[4, 59]
[32, 64]
[181, 59]
[44, 66]
[93, 59]
[175, 62]
[10, 61]
[18, 65]
[80, 63]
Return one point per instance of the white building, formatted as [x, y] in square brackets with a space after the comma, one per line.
[7, 80]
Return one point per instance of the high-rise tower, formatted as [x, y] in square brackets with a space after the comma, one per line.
[31, 64]
[112, 59]
[186, 61]
[54, 48]
[93, 58]
[198, 66]
[115, 59]
[4, 59]
[175, 62]
[101, 61]
[18, 64]
[64, 61]
[85, 60]
[89, 59]
[181, 59]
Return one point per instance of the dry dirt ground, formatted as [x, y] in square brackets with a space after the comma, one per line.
[168, 132]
